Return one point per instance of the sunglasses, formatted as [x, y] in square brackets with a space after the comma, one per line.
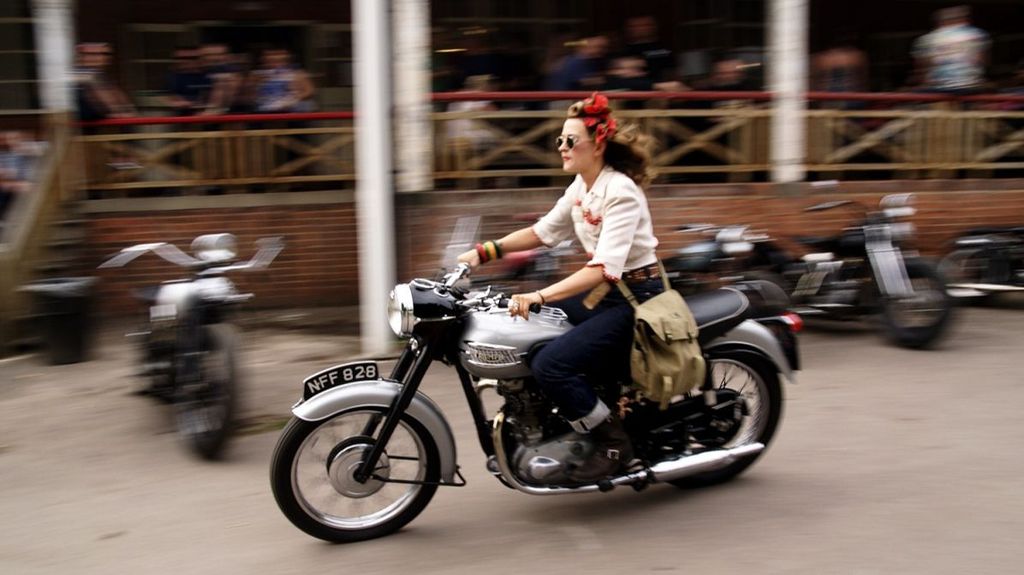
[569, 141]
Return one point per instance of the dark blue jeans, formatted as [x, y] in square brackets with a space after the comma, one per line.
[597, 349]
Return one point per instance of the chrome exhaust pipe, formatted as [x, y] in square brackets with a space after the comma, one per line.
[701, 462]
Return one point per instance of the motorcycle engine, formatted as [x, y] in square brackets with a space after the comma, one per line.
[540, 458]
[548, 462]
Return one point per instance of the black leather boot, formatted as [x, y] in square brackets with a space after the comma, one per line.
[614, 451]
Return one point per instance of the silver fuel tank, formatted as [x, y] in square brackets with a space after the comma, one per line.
[495, 345]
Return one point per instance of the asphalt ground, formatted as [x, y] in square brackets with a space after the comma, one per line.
[887, 461]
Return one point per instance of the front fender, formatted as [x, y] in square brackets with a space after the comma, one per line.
[381, 393]
[752, 335]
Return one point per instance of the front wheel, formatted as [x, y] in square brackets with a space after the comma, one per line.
[756, 380]
[918, 321]
[312, 474]
[207, 401]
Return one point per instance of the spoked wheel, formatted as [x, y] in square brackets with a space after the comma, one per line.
[313, 476]
[918, 321]
[206, 404]
[757, 383]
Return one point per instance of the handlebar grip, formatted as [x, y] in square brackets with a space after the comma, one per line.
[503, 303]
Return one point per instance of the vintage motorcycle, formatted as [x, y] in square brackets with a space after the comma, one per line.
[365, 452]
[189, 348]
[985, 262]
[724, 257]
[862, 271]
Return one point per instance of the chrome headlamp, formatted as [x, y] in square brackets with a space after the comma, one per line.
[400, 316]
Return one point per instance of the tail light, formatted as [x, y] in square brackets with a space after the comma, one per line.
[794, 321]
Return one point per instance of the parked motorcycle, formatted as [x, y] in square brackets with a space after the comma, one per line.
[365, 452]
[189, 348]
[726, 257]
[985, 262]
[864, 271]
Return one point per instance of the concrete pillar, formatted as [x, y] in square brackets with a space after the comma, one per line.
[374, 184]
[414, 147]
[54, 36]
[787, 72]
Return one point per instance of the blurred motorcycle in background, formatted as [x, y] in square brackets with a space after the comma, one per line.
[726, 257]
[985, 262]
[525, 271]
[863, 271]
[189, 347]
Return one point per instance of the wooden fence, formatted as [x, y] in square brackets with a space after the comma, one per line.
[723, 135]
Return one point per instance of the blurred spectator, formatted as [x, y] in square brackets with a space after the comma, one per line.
[224, 79]
[97, 97]
[840, 68]
[467, 132]
[187, 85]
[642, 42]
[280, 86]
[18, 159]
[952, 57]
[628, 73]
[729, 74]
[481, 57]
[583, 70]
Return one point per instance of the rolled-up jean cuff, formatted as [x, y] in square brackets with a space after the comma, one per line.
[593, 419]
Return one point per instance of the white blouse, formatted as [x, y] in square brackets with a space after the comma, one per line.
[611, 221]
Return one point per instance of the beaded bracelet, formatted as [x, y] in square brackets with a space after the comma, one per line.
[489, 250]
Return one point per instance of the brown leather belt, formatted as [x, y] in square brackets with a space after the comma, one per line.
[642, 274]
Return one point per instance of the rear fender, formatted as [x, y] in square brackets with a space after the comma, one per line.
[382, 393]
[757, 339]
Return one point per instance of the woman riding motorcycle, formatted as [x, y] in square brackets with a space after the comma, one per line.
[605, 207]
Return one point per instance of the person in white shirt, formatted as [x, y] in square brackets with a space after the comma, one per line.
[606, 210]
[952, 58]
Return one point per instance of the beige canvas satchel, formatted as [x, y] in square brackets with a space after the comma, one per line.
[666, 359]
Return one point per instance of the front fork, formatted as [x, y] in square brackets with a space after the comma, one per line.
[411, 367]
[887, 262]
[409, 371]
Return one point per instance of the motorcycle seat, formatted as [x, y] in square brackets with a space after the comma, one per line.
[766, 297]
[718, 311]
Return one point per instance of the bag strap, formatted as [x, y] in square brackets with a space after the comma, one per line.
[626, 293]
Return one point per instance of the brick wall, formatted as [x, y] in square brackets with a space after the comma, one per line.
[316, 268]
[319, 266]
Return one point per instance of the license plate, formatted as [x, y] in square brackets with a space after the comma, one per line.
[339, 375]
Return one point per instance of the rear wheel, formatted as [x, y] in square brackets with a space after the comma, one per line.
[757, 382]
[313, 467]
[206, 404]
[918, 321]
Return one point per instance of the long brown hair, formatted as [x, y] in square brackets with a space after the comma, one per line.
[627, 149]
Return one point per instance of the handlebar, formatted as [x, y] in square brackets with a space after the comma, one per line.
[462, 270]
[268, 250]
